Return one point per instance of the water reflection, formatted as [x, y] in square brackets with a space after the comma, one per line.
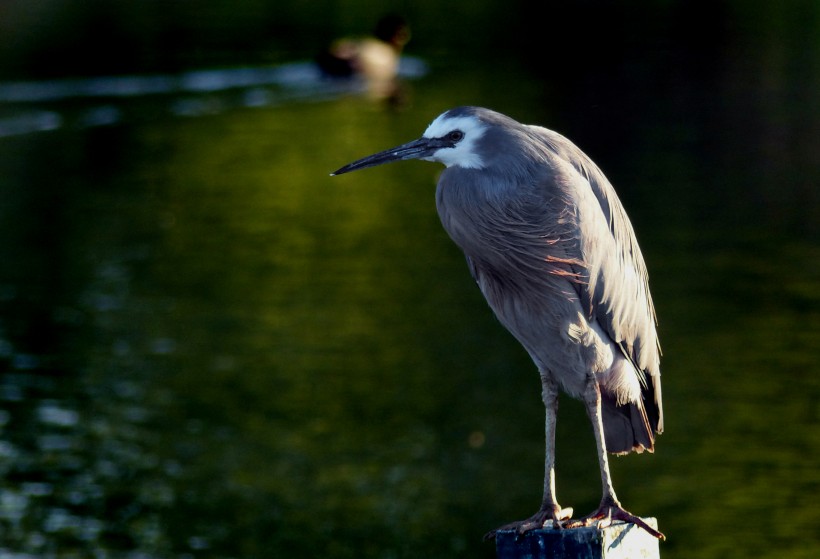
[208, 349]
[30, 121]
[298, 75]
[78, 472]
[194, 93]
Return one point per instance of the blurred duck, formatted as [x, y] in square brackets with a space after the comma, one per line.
[375, 59]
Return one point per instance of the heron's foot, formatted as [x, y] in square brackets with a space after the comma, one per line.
[547, 517]
[606, 513]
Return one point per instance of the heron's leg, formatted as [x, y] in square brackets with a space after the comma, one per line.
[550, 514]
[550, 508]
[610, 508]
[592, 401]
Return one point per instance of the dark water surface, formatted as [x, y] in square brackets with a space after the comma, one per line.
[210, 348]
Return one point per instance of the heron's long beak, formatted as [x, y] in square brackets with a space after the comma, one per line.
[417, 149]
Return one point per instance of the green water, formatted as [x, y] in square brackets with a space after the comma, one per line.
[210, 348]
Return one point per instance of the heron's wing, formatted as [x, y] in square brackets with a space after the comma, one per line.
[472, 267]
[616, 291]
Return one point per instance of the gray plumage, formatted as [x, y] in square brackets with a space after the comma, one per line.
[551, 248]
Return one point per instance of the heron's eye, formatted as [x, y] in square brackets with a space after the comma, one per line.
[455, 136]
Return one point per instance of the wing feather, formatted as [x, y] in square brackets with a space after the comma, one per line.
[616, 291]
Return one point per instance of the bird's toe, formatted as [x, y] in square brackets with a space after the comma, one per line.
[547, 517]
[605, 514]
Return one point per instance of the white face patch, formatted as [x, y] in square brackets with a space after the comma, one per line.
[464, 153]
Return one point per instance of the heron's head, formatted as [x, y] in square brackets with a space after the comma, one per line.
[452, 138]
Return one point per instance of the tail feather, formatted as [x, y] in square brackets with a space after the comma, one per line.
[654, 410]
[633, 425]
[626, 427]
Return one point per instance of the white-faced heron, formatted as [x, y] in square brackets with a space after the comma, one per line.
[552, 249]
